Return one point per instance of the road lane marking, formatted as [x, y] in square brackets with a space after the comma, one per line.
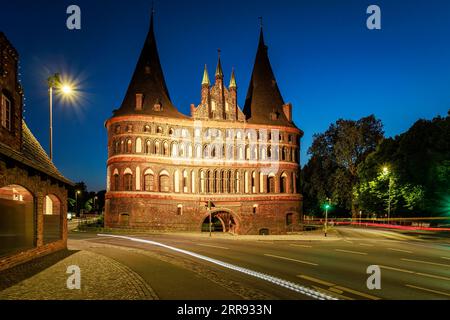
[211, 246]
[358, 293]
[396, 269]
[366, 244]
[433, 276]
[335, 292]
[446, 258]
[354, 252]
[427, 262]
[322, 282]
[399, 250]
[278, 281]
[338, 289]
[300, 245]
[289, 259]
[429, 290]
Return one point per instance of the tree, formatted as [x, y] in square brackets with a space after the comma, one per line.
[420, 166]
[332, 171]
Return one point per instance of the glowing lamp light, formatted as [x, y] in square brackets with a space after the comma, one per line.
[66, 89]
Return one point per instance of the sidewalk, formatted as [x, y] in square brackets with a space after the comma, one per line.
[300, 236]
[102, 278]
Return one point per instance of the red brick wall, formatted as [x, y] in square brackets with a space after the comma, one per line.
[39, 186]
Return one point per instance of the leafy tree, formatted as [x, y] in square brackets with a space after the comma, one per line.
[332, 171]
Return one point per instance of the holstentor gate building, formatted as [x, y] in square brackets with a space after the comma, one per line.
[163, 166]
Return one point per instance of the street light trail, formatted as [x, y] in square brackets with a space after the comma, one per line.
[280, 282]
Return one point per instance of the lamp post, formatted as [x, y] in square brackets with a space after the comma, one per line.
[76, 201]
[327, 207]
[54, 82]
[387, 172]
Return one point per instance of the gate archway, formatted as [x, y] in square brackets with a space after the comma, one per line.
[221, 220]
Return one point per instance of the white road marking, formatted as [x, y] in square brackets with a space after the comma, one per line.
[354, 252]
[446, 258]
[289, 259]
[278, 281]
[366, 244]
[428, 290]
[399, 250]
[397, 269]
[211, 246]
[416, 273]
[300, 245]
[427, 262]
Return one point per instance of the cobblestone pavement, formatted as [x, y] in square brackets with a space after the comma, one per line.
[102, 278]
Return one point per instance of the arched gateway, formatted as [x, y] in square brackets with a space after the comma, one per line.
[221, 221]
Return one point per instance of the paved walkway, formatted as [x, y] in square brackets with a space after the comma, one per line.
[102, 278]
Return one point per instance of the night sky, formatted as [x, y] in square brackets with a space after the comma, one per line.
[327, 63]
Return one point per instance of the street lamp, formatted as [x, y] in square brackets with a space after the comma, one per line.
[76, 200]
[327, 207]
[386, 172]
[54, 82]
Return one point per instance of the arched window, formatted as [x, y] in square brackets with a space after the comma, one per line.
[166, 149]
[185, 181]
[269, 152]
[18, 222]
[229, 182]
[202, 182]
[117, 147]
[283, 183]
[116, 180]
[164, 182]
[148, 147]
[193, 189]
[157, 149]
[159, 130]
[138, 145]
[271, 183]
[52, 219]
[246, 178]
[147, 129]
[174, 152]
[129, 146]
[237, 186]
[247, 153]
[208, 181]
[176, 181]
[206, 152]
[149, 180]
[224, 183]
[214, 182]
[198, 151]
[128, 180]
[253, 182]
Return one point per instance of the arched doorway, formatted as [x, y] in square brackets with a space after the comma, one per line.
[17, 219]
[221, 221]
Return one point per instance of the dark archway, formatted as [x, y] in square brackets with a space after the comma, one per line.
[222, 221]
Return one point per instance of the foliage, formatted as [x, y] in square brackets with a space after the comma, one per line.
[332, 171]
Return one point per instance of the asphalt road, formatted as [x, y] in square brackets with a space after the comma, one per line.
[411, 267]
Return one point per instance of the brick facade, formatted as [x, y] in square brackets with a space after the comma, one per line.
[26, 171]
[164, 167]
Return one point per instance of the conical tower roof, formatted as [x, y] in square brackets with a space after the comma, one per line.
[148, 79]
[264, 97]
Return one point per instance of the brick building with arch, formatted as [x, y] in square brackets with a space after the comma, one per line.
[163, 166]
[33, 193]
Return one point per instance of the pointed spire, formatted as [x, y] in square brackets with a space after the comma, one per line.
[205, 81]
[148, 81]
[232, 80]
[264, 97]
[219, 71]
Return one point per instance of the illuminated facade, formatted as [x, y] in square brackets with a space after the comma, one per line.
[163, 167]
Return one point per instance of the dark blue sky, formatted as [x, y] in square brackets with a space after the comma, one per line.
[327, 63]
